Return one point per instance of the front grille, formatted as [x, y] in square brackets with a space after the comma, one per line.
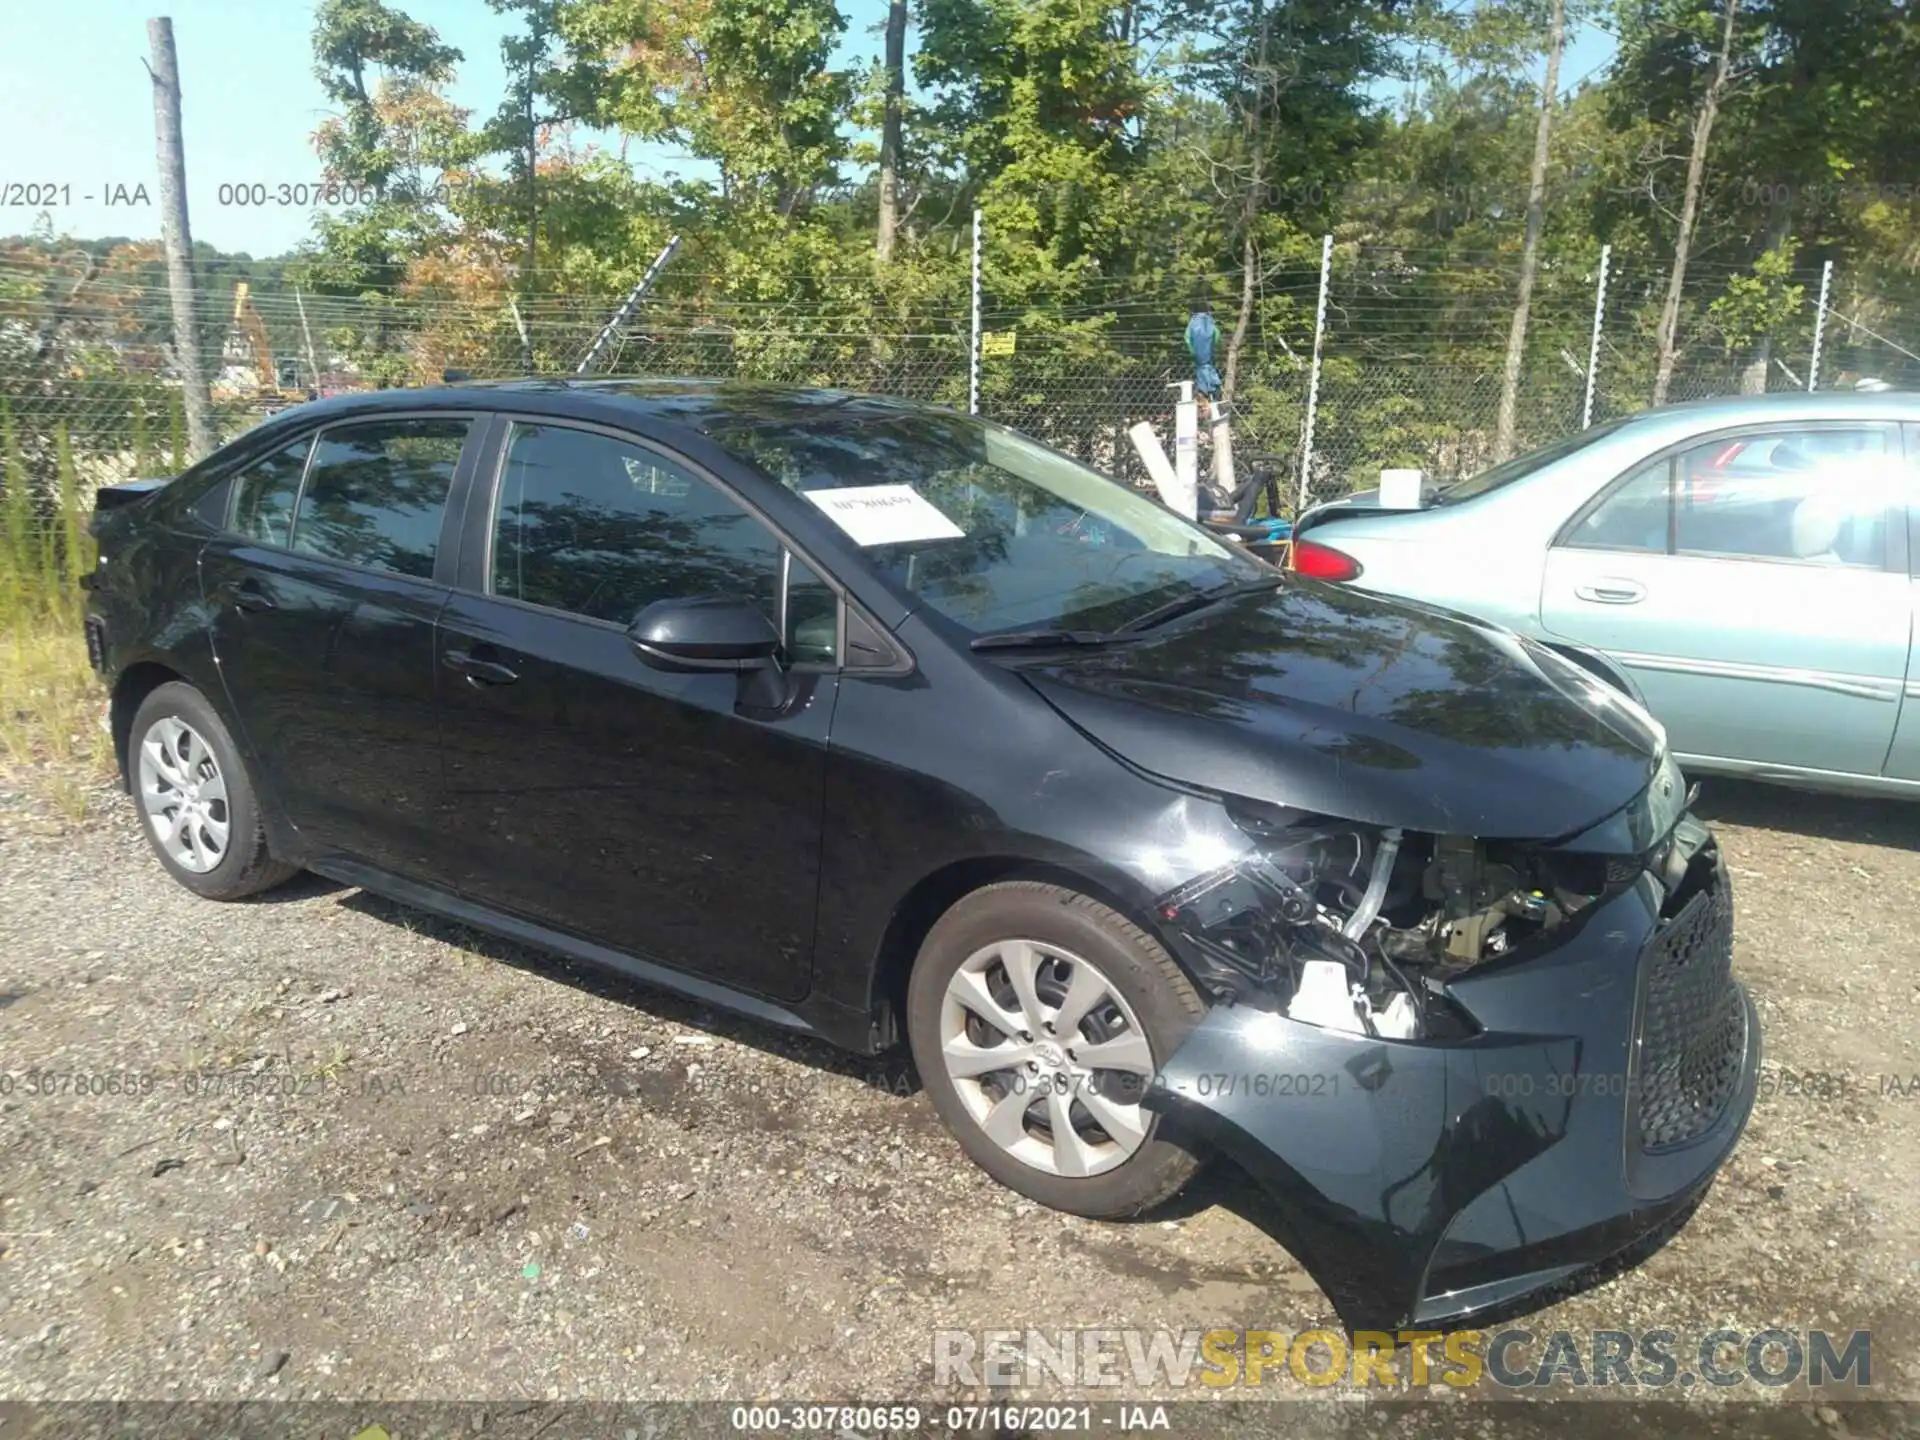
[1693, 1026]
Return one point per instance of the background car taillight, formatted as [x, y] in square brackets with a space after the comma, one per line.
[1323, 562]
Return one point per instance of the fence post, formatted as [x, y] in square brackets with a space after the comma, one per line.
[1313, 379]
[1593, 346]
[973, 332]
[1820, 324]
[627, 306]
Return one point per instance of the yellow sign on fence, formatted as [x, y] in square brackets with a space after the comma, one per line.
[997, 342]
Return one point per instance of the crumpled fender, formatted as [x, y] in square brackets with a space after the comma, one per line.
[1372, 1146]
[1421, 1181]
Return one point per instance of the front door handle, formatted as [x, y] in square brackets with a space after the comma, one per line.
[249, 596]
[478, 668]
[1612, 590]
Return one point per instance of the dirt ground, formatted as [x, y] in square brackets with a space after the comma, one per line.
[360, 1152]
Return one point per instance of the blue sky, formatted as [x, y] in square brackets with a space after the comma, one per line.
[76, 109]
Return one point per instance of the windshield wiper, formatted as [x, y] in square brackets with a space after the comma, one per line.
[1042, 639]
[1199, 600]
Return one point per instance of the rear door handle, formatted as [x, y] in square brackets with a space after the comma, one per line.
[249, 596]
[1612, 591]
[478, 668]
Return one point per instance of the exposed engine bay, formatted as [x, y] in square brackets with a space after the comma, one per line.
[1357, 928]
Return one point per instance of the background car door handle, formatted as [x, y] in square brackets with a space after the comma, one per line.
[250, 596]
[1612, 592]
[479, 668]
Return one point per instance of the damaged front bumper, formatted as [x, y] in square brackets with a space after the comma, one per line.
[1425, 1182]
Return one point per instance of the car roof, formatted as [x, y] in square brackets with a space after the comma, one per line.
[1785, 405]
[698, 404]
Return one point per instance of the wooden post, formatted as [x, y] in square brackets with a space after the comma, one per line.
[165, 74]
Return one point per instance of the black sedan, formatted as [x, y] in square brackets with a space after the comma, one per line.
[879, 722]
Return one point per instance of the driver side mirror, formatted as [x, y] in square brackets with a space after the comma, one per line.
[711, 632]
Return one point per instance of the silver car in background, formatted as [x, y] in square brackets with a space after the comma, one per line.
[1746, 562]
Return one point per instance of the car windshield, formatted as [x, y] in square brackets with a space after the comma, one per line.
[1525, 465]
[990, 529]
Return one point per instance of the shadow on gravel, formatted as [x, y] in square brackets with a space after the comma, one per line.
[304, 886]
[893, 1071]
[1862, 820]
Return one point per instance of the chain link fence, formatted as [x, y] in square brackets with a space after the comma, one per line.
[1409, 371]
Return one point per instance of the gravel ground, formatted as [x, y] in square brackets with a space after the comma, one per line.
[440, 1166]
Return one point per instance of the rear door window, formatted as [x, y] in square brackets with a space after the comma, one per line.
[1821, 495]
[376, 493]
[264, 495]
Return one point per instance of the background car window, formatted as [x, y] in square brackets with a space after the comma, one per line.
[377, 491]
[1816, 495]
[601, 527]
[264, 495]
[1633, 517]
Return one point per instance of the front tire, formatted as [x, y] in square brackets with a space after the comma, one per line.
[198, 808]
[1037, 1018]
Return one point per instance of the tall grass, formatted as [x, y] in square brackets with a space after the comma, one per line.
[50, 700]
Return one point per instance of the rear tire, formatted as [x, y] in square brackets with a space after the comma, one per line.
[1037, 1017]
[198, 808]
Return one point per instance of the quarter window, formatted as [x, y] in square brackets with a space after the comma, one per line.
[265, 492]
[1818, 496]
[602, 527]
[377, 491]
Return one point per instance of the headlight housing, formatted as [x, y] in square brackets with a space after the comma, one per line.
[1360, 927]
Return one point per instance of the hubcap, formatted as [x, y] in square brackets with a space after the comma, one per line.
[1047, 1057]
[184, 795]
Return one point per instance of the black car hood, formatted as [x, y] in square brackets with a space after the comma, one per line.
[1334, 700]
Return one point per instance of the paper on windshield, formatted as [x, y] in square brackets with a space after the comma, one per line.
[884, 514]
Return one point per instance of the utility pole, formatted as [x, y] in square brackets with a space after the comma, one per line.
[164, 71]
[896, 61]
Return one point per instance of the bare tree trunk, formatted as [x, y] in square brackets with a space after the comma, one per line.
[1690, 209]
[1530, 249]
[1753, 378]
[896, 60]
[1230, 372]
[1249, 212]
[165, 73]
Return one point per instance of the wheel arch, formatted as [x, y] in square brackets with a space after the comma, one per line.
[130, 690]
[940, 890]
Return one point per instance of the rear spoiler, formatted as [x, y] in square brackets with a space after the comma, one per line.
[109, 498]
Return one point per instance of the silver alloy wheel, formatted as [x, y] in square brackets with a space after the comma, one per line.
[184, 795]
[1047, 1057]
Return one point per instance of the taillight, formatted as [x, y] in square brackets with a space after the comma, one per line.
[1323, 562]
